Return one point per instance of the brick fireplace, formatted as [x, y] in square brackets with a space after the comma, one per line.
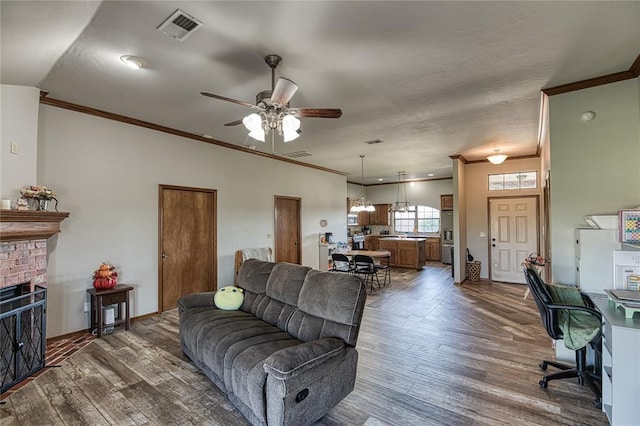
[23, 293]
[23, 245]
[22, 262]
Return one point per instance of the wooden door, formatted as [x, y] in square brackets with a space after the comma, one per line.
[514, 235]
[187, 243]
[287, 229]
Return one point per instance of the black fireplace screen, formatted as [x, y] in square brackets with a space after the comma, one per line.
[22, 333]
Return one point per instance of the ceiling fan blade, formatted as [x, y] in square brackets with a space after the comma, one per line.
[234, 123]
[222, 98]
[283, 92]
[317, 112]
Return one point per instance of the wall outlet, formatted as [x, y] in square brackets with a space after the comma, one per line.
[87, 306]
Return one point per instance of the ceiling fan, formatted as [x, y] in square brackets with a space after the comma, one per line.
[272, 108]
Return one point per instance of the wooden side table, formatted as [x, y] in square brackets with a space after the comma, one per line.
[113, 296]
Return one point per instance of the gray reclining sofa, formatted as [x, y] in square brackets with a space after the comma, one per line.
[287, 356]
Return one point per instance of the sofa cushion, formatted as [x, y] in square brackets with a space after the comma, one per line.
[244, 373]
[330, 305]
[282, 292]
[252, 278]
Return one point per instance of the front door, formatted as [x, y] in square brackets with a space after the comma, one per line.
[514, 235]
[187, 248]
[287, 232]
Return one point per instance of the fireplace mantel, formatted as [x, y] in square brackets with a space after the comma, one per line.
[20, 225]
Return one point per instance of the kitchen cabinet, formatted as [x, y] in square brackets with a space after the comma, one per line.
[363, 218]
[405, 252]
[433, 249]
[372, 242]
[446, 202]
[380, 216]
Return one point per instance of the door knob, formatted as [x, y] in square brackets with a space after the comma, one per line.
[164, 255]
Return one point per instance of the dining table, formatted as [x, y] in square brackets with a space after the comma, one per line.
[376, 254]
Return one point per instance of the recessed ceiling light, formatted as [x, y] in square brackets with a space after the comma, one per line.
[132, 61]
[380, 179]
[412, 183]
[430, 174]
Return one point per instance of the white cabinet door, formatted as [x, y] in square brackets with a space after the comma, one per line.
[594, 258]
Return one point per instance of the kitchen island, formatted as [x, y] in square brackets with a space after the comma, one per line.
[405, 252]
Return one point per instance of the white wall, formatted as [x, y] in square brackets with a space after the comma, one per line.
[477, 195]
[423, 193]
[107, 174]
[19, 118]
[595, 165]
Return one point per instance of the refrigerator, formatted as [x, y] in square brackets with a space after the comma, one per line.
[446, 235]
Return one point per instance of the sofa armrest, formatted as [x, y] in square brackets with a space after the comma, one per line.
[292, 361]
[195, 299]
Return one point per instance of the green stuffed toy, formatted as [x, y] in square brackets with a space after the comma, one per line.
[229, 298]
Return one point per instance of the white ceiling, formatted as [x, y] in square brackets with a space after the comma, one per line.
[431, 79]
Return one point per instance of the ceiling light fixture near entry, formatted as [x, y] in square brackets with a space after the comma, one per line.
[132, 61]
[588, 116]
[496, 157]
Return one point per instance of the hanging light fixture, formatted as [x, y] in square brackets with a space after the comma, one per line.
[361, 205]
[401, 206]
[496, 157]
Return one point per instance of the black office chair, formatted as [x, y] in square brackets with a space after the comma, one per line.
[364, 265]
[341, 263]
[549, 313]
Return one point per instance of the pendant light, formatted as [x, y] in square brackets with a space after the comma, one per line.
[401, 206]
[361, 205]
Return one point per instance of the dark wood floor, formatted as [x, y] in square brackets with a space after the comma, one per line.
[431, 352]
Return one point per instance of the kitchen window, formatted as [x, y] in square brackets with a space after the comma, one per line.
[421, 219]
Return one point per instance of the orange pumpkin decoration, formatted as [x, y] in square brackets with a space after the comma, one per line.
[104, 283]
[105, 277]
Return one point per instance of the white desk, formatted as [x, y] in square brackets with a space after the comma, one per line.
[620, 364]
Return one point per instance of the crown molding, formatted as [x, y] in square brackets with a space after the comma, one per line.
[632, 72]
[45, 100]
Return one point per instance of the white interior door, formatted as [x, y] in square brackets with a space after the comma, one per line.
[514, 235]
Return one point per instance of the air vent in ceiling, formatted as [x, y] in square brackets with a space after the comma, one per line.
[179, 25]
[298, 154]
[374, 141]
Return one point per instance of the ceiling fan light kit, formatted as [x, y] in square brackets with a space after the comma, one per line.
[496, 157]
[274, 113]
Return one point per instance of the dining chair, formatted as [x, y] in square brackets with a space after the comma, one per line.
[386, 270]
[365, 266]
[341, 263]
